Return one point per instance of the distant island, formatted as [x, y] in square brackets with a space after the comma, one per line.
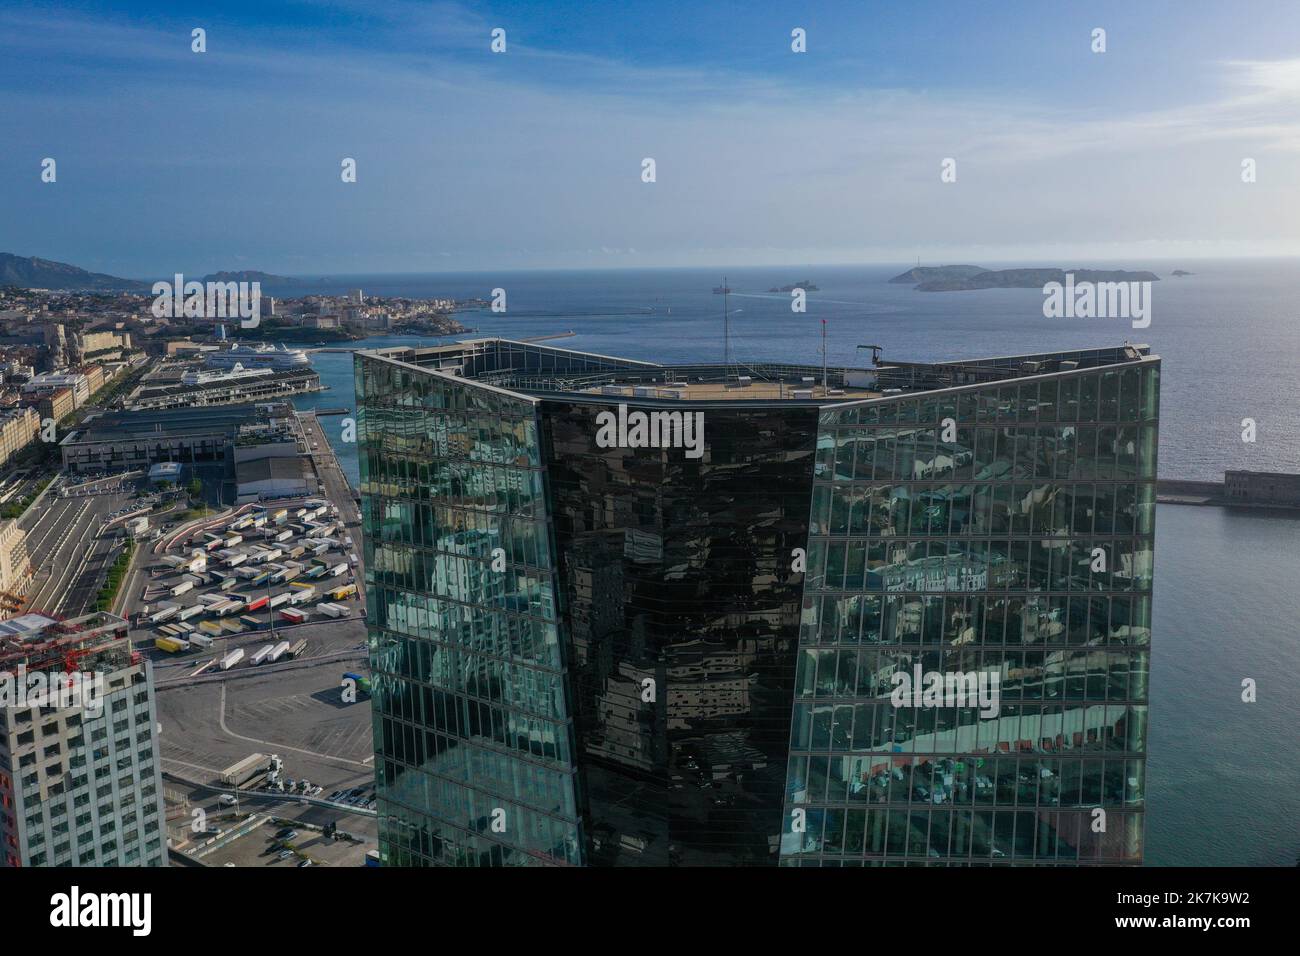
[1179, 273]
[34, 273]
[806, 285]
[252, 275]
[969, 278]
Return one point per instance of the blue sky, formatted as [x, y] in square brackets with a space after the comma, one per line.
[468, 160]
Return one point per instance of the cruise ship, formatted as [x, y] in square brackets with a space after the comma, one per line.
[218, 375]
[257, 356]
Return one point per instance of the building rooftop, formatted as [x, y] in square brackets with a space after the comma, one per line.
[38, 641]
[159, 423]
[261, 469]
[527, 369]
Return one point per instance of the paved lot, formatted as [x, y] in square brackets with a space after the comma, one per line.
[294, 710]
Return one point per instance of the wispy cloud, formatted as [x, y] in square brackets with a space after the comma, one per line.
[533, 158]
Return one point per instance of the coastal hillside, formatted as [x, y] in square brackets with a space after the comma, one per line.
[34, 273]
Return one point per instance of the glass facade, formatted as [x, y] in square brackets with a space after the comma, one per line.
[681, 614]
[473, 738]
[1003, 529]
[615, 656]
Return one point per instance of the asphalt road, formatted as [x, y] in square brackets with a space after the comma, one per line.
[336, 485]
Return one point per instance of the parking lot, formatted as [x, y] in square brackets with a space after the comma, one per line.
[294, 709]
[264, 571]
[287, 833]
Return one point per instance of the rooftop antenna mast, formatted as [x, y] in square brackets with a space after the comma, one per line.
[824, 392]
[726, 329]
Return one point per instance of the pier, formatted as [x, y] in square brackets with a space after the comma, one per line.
[1238, 489]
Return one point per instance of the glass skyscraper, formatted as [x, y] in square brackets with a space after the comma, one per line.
[757, 650]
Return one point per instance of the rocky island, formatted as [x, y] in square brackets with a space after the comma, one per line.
[969, 278]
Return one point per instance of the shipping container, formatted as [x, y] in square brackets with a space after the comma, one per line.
[338, 569]
[279, 600]
[253, 623]
[240, 773]
[165, 614]
[181, 588]
[189, 612]
[232, 625]
[302, 595]
[201, 641]
[256, 604]
[236, 559]
[331, 610]
[262, 654]
[342, 593]
[211, 627]
[279, 651]
[293, 615]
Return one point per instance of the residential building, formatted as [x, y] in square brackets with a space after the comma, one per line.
[19, 427]
[56, 404]
[80, 778]
[15, 566]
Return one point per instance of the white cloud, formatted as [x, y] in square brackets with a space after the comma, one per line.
[501, 160]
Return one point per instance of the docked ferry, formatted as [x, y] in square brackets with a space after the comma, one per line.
[259, 355]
